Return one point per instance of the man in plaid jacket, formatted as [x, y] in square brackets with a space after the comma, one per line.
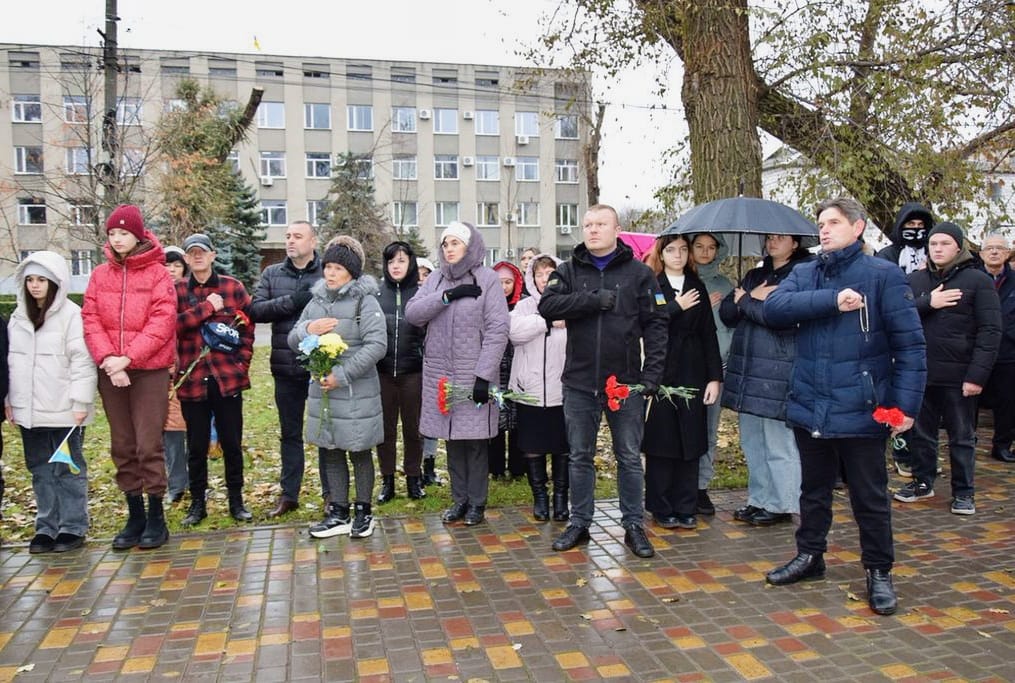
[212, 379]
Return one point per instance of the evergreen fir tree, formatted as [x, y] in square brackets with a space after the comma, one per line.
[352, 210]
[238, 239]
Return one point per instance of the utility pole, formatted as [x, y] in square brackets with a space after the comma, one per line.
[108, 170]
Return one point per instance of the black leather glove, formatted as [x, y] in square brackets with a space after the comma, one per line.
[481, 390]
[607, 299]
[301, 299]
[462, 292]
[649, 389]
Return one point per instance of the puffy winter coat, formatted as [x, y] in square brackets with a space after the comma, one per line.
[465, 339]
[848, 364]
[540, 348]
[717, 282]
[272, 302]
[962, 340]
[355, 422]
[761, 358]
[405, 341]
[130, 308]
[1005, 287]
[603, 343]
[52, 375]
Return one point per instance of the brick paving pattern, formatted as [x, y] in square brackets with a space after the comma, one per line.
[420, 601]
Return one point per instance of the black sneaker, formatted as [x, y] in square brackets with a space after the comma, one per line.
[572, 536]
[336, 522]
[363, 521]
[41, 544]
[963, 505]
[65, 542]
[636, 539]
[914, 491]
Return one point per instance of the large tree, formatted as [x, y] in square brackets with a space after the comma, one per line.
[890, 99]
[238, 238]
[352, 209]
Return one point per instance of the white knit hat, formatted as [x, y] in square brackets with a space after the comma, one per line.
[423, 262]
[459, 230]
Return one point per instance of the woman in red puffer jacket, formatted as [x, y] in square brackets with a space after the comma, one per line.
[129, 318]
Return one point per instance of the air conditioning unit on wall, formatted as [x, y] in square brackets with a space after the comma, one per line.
[565, 230]
[509, 161]
[267, 181]
[522, 139]
[468, 161]
[509, 253]
[468, 115]
[425, 114]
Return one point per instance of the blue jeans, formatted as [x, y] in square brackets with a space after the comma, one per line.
[290, 400]
[773, 464]
[583, 412]
[61, 498]
[175, 445]
[945, 406]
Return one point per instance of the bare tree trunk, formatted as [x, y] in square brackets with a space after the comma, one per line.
[109, 174]
[591, 154]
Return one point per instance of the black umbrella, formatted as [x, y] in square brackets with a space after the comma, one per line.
[741, 216]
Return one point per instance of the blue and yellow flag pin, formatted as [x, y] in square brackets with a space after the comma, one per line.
[660, 299]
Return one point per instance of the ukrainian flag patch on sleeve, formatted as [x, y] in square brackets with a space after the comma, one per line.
[660, 299]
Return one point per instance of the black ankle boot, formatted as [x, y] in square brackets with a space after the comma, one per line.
[237, 510]
[803, 567]
[560, 487]
[536, 474]
[414, 488]
[198, 510]
[155, 532]
[387, 489]
[130, 535]
[881, 592]
[430, 477]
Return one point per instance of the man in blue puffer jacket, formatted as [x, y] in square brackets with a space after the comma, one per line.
[860, 345]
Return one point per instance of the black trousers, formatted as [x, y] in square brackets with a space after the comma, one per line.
[999, 395]
[945, 406]
[671, 486]
[228, 412]
[863, 462]
[506, 443]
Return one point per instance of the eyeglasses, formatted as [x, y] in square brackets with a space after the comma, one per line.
[995, 249]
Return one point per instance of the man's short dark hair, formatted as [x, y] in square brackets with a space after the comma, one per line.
[849, 207]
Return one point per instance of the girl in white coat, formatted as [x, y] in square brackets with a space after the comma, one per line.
[52, 389]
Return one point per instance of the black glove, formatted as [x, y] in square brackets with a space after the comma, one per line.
[607, 299]
[649, 389]
[462, 292]
[481, 389]
[301, 299]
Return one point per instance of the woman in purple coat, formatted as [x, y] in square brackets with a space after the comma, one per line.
[463, 308]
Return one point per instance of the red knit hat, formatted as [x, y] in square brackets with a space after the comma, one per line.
[127, 217]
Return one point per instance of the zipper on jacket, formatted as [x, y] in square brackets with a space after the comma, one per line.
[123, 304]
[398, 310]
[599, 336]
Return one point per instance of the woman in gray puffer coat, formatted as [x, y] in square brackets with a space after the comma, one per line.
[345, 302]
[463, 306]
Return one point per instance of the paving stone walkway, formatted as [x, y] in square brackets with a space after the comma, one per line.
[420, 601]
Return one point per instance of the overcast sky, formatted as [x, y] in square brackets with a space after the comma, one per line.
[470, 31]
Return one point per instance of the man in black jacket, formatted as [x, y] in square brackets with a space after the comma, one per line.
[612, 304]
[279, 298]
[999, 393]
[961, 320]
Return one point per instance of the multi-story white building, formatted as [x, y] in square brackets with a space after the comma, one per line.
[498, 146]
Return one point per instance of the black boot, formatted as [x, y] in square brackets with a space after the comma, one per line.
[237, 510]
[414, 488]
[130, 535]
[803, 567]
[198, 510]
[430, 477]
[387, 489]
[880, 592]
[537, 482]
[560, 485]
[155, 532]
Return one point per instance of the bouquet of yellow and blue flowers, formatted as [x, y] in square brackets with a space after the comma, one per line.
[319, 354]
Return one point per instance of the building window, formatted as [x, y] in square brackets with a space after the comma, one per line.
[403, 119]
[445, 121]
[527, 123]
[316, 71]
[567, 170]
[487, 81]
[364, 168]
[75, 109]
[487, 122]
[487, 214]
[527, 168]
[361, 117]
[487, 168]
[222, 68]
[83, 214]
[26, 109]
[445, 166]
[79, 161]
[528, 213]
[31, 211]
[23, 60]
[566, 127]
[28, 159]
[128, 111]
[445, 213]
[317, 212]
[318, 165]
[274, 212]
[81, 262]
[404, 214]
[402, 75]
[445, 78]
[25, 253]
[269, 69]
[133, 161]
[233, 159]
[403, 168]
[273, 164]
[567, 215]
[316, 115]
[271, 115]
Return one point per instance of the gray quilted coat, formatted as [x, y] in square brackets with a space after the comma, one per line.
[355, 422]
[464, 340]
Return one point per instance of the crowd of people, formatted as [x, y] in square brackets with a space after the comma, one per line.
[514, 368]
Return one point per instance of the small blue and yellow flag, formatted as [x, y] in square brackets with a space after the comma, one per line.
[62, 454]
[257, 44]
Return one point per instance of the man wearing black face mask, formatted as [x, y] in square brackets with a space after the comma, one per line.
[909, 251]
